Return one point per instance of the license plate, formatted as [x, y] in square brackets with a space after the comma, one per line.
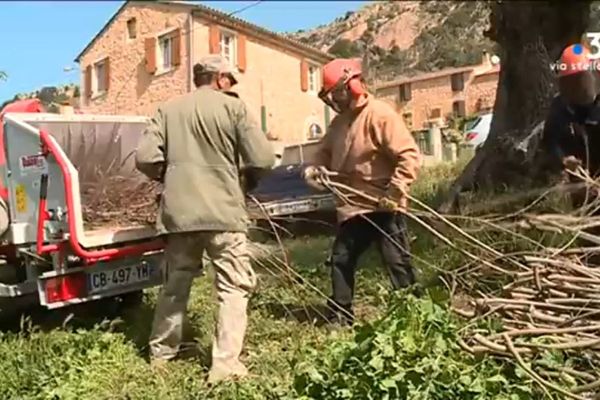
[102, 281]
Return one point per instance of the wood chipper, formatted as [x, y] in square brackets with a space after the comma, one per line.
[55, 172]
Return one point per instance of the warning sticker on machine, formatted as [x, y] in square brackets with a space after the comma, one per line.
[21, 198]
[33, 163]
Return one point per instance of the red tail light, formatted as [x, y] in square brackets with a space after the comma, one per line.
[471, 135]
[63, 288]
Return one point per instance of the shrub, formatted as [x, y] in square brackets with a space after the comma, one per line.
[412, 353]
[344, 48]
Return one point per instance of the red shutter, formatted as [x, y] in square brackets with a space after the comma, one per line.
[150, 47]
[303, 75]
[107, 73]
[176, 48]
[214, 40]
[87, 81]
[241, 52]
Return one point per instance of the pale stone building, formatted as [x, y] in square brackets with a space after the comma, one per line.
[145, 53]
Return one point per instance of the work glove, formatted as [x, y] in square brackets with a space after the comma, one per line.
[387, 204]
[311, 176]
[571, 163]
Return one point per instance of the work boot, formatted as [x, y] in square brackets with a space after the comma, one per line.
[416, 290]
[220, 372]
[337, 314]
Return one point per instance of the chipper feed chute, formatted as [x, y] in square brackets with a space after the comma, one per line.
[80, 215]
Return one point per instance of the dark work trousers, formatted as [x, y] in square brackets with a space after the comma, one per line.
[354, 237]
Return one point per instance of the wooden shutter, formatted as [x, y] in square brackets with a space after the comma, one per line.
[241, 53]
[405, 92]
[150, 47]
[304, 75]
[106, 74]
[176, 48]
[457, 82]
[87, 81]
[214, 39]
[263, 118]
[408, 120]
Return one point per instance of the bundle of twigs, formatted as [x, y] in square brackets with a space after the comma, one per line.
[552, 305]
[119, 201]
[545, 301]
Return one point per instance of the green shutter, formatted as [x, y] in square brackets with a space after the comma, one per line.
[447, 150]
[263, 118]
[327, 116]
[429, 141]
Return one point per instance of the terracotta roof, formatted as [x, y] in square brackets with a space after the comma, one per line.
[425, 76]
[221, 17]
[213, 14]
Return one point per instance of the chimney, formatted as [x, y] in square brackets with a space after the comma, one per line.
[485, 59]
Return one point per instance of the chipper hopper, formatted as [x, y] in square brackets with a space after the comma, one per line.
[75, 215]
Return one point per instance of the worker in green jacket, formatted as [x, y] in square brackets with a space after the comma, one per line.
[193, 145]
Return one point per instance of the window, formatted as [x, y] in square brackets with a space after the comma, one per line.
[131, 29]
[165, 52]
[405, 92]
[228, 47]
[457, 82]
[313, 79]
[99, 81]
[436, 113]
[423, 139]
[314, 131]
[458, 108]
[408, 119]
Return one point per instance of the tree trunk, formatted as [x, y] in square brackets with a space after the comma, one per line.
[531, 35]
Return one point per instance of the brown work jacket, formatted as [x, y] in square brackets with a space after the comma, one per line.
[374, 149]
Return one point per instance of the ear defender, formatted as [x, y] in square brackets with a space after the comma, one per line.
[356, 87]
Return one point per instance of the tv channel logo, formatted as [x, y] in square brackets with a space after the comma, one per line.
[589, 64]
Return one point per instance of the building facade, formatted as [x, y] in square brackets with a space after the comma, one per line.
[432, 97]
[145, 55]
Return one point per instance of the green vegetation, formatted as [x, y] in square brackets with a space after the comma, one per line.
[345, 48]
[411, 353]
[404, 346]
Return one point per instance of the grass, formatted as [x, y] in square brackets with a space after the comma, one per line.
[101, 353]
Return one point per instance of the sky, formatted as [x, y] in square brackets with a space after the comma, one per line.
[40, 39]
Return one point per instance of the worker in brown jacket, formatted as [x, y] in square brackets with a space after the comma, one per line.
[369, 144]
[192, 145]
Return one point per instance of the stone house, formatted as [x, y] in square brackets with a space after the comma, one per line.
[144, 55]
[432, 97]
[427, 100]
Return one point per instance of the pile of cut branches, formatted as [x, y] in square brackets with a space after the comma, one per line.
[120, 202]
[531, 307]
[553, 305]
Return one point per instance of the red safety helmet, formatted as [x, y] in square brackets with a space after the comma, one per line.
[574, 59]
[338, 73]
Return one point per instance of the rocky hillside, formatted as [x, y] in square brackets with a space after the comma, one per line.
[404, 37]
